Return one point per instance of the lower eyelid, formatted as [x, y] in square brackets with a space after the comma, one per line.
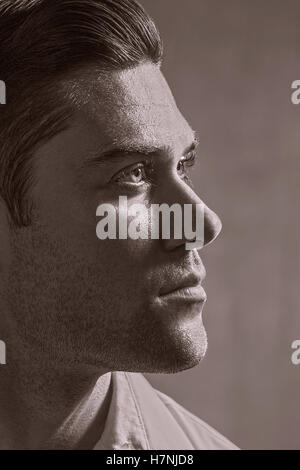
[131, 186]
[146, 165]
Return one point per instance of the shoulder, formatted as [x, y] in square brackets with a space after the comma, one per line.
[168, 424]
[197, 429]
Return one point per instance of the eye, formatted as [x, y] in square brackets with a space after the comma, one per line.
[134, 174]
[184, 163]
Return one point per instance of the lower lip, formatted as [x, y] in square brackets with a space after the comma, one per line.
[186, 294]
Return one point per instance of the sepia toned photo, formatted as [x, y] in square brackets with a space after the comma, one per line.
[149, 243]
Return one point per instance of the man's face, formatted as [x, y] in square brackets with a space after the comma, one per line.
[82, 300]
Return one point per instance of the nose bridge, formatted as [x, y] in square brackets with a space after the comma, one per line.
[182, 194]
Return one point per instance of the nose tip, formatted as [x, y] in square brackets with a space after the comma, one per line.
[212, 226]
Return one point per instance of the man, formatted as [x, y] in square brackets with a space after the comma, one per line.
[89, 117]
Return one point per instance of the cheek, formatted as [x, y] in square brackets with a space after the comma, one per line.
[126, 257]
[115, 264]
[123, 267]
[113, 269]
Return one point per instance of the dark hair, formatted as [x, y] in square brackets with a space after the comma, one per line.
[42, 41]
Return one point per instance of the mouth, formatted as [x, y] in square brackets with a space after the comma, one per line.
[187, 289]
[193, 294]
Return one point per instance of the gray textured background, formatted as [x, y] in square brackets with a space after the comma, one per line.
[230, 64]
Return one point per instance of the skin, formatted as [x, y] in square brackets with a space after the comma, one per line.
[73, 307]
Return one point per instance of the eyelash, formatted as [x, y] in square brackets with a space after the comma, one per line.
[149, 166]
[188, 161]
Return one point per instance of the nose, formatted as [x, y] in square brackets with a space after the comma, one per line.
[182, 194]
[212, 226]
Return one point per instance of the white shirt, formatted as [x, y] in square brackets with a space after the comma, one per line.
[141, 417]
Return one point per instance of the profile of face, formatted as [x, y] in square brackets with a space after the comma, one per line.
[78, 300]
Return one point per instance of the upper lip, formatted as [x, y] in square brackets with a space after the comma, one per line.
[189, 280]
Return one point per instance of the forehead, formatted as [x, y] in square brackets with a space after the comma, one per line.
[134, 105]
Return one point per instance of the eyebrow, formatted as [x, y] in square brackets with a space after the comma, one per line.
[122, 152]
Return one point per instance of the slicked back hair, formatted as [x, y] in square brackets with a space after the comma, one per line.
[41, 42]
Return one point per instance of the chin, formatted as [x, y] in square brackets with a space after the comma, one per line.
[170, 366]
[189, 350]
[185, 362]
[156, 348]
[186, 355]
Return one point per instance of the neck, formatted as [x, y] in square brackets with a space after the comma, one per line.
[45, 405]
